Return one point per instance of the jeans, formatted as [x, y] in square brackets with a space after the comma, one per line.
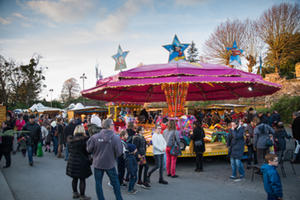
[114, 181]
[145, 167]
[199, 160]
[159, 163]
[171, 162]
[55, 144]
[30, 153]
[121, 168]
[7, 158]
[251, 154]
[132, 181]
[237, 164]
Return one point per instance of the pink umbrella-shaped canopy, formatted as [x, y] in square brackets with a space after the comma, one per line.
[205, 82]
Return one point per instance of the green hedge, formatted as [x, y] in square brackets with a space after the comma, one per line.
[285, 106]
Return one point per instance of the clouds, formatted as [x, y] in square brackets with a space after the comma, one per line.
[5, 21]
[118, 21]
[189, 2]
[60, 11]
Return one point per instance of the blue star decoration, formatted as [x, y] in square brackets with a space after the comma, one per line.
[176, 50]
[120, 59]
[235, 59]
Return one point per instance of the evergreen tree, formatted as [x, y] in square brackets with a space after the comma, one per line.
[193, 53]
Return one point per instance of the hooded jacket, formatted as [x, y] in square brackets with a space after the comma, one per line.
[106, 147]
[261, 135]
[272, 182]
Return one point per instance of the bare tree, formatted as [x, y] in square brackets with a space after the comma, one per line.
[224, 36]
[253, 45]
[279, 28]
[70, 90]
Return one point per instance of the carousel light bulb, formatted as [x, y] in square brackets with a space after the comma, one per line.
[250, 89]
[105, 92]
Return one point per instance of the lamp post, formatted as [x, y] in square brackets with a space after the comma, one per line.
[83, 77]
[51, 91]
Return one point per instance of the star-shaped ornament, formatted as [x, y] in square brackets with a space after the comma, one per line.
[120, 59]
[176, 50]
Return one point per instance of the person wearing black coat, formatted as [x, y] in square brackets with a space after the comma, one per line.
[199, 145]
[78, 165]
[279, 138]
[235, 145]
[68, 131]
[32, 137]
[6, 146]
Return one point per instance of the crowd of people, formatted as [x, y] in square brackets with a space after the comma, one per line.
[122, 155]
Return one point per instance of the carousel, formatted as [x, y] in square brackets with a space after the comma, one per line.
[177, 82]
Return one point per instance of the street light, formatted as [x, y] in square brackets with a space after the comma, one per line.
[83, 77]
[51, 91]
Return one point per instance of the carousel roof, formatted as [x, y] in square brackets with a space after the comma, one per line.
[206, 82]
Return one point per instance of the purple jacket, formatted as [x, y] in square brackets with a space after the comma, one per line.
[106, 147]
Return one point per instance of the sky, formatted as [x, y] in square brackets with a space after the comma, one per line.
[72, 36]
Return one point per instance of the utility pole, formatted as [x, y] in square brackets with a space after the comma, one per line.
[51, 91]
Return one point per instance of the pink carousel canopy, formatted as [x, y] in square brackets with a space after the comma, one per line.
[205, 82]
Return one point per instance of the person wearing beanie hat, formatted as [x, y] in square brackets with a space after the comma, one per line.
[131, 165]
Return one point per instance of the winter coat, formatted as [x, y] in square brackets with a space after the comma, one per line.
[131, 164]
[171, 137]
[272, 182]
[198, 135]
[236, 143]
[34, 134]
[69, 130]
[106, 147]
[93, 129]
[140, 143]
[78, 165]
[280, 135]
[7, 142]
[261, 135]
[20, 124]
[60, 134]
[249, 138]
[159, 144]
[296, 128]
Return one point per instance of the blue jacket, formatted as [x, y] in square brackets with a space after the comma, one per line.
[131, 164]
[272, 182]
[235, 143]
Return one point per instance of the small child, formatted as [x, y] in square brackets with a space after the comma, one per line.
[131, 165]
[272, 182]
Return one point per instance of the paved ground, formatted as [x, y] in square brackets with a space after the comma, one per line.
[47, 180]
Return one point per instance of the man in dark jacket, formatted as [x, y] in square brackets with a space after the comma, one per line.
[32, 137]
[235, 145]
[296, 133]
[6, 145]
[68, 132]
[106, 147]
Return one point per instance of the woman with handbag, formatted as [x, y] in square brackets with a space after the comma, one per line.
[173, 148]
[78, 166]
[199, 145]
